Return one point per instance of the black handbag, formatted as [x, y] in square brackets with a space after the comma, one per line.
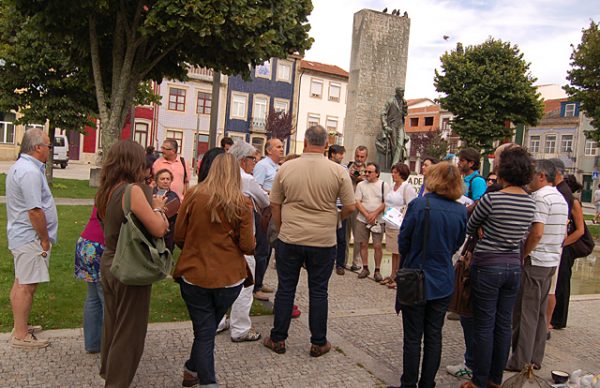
[584, 246]
[410, 282]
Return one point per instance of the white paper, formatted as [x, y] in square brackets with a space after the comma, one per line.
[393, 217]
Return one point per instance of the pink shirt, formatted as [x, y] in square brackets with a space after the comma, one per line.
[176, 168]
[93, 230]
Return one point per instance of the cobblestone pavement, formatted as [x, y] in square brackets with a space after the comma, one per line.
[365, 332]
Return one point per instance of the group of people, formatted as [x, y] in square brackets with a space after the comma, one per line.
[243, 208]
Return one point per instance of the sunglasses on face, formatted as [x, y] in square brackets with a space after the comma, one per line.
[493, 180]
[370, 172]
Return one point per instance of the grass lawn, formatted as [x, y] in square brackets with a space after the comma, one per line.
[62, 188]
[59, 303]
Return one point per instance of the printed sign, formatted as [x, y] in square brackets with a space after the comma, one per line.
[416, 181]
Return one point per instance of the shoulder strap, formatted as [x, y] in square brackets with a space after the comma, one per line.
[184, 168]
[470, 192]
[127, 199]
[425, 234]
[382, 184]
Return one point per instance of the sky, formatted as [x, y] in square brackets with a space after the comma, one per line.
[544, 31]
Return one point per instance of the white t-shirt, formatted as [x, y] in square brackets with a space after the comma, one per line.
[552, 211]
[369, 194]
[398, 199]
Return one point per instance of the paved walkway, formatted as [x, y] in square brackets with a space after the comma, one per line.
[364, 330]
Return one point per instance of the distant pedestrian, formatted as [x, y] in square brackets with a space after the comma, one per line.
[356, 169]
[306, 216]
[226, 143]
[32, 226]
[597, 204]
[336, 153]
[171, 161]
[426, 163]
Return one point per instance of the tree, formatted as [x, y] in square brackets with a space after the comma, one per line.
[280, 125]
[584, 77]
[430, 143]
[128, 42]
[485, 87]
[38, 78]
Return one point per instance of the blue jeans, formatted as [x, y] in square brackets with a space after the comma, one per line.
[494, 293]
[467, 325]
[422, 322]
[340, 254]
[206, 306]
[93, 315]
[262, 253]
[319, 265]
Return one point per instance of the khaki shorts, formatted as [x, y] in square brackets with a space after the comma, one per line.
[30, 266]
[553, 283]
[391, 240]
[361, 234]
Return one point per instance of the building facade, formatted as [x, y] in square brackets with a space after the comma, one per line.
[321, 100]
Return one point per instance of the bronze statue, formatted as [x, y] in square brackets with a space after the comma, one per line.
[391, 142]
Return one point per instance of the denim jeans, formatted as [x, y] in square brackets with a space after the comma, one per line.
[494, 293]
[422, 322]
[206, 306]
[262, 253]
[468, 333]
[340, 254]
[93, 315]
[319, 265]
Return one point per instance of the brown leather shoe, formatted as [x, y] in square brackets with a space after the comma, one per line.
[276, 346]
[319, 350]
[189, 380]
[261, 296]
[340, 271]
[267, 290]
[364, 273]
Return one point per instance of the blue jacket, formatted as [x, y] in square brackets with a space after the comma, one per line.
[447, 227]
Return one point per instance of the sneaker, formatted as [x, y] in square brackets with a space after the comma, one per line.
[267, 289]
[295, 312]
[29, 342]
[251, 335]
[355, 268]
[377, 276]
[261, 296]
[276, 346]
[340, 271]
[319, 350]
[222, 327]
[453, 316]
[459, 370]
[364, 273]
[189, 379]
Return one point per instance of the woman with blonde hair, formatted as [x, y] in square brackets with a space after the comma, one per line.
[432, 230]
[126, 308]
[214, 230]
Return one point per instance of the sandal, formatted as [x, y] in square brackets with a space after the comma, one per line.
[386, 281]
[392, 285]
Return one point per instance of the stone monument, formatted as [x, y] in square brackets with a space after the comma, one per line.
[377, 69]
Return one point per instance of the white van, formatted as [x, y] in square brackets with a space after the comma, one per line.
[61, 151]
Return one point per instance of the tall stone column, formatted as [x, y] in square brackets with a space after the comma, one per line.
[377, 67]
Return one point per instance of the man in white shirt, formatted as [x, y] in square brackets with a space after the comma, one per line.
[369, 196]
[542, 252]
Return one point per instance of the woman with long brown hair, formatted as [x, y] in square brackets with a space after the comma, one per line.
[214, 230]
[126, 308]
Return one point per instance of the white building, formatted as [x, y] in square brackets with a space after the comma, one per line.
[321, 100]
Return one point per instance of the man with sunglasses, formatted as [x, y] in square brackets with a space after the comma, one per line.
[174, 163]
[32, 226]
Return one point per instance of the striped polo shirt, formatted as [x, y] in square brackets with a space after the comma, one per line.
[552, 211]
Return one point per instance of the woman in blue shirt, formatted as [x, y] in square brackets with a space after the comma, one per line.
[447, 225]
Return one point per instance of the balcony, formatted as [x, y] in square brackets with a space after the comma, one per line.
[258, 125]
[202, 73]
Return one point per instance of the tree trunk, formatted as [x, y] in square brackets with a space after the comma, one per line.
[50, 161]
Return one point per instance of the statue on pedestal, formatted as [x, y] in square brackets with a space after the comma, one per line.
[391, 142]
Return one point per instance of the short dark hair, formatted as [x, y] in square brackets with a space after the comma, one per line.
[160, 172]
[335, 149]
[470, 155]
[516, 166]
[573, 184]
[207, 161]
[402, 169]
[374, 165]
[173, 143]
[430, 158]
[225, 141]
[361, 148]
[316, 136]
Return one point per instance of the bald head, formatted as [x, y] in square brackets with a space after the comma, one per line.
[274, 149]
[501, 148]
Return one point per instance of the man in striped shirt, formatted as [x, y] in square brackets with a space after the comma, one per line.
[542, 252]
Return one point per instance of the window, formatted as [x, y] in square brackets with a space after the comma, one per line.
[280, 105]
[204, 103]
[332, 124]
[141, 134]
[452, 145]
[239, 103]
[414, 121]
[284, 71]
[550, 145]
[259, 111]
[264, 70]
[335, 90]
[445, 123]
[591, 148]
[429, 121]
[178, 136]
[316, 88]
[7, 132]
[177, 99]
[570, 110]
[566, 143]
[313, 119]
[258, 143]
[31, 126]
[534, 144]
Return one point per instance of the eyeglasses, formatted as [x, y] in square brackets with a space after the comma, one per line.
[166, 149]
[47, 145]
[492, 180]
[251, 158]
[370, 172]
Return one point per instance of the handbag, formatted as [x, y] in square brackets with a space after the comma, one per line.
[140, 259]
[584, 245]
[410, 282]
[460, 303]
